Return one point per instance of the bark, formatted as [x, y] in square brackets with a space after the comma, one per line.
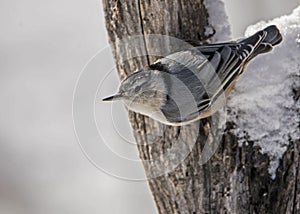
[236, 178]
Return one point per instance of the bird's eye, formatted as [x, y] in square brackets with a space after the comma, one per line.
[137, 89]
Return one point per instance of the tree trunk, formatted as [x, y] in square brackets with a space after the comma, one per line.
[235, 179]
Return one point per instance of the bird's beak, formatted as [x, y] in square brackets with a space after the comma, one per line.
[114, 97]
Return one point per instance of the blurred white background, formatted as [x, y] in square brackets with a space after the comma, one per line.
[44, 46]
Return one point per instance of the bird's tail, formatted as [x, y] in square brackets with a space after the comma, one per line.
[262, 41]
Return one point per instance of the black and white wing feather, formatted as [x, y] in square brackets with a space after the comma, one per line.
[197, 77]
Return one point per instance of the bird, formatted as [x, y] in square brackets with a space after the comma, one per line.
[193, 83]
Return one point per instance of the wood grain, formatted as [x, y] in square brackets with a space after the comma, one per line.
[235, 179]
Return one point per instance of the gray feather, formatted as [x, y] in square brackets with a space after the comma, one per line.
[195, 78]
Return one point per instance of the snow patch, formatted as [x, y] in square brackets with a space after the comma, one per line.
[218, 20]
[263, 105]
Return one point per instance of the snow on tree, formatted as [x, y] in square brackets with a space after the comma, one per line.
[265, 105]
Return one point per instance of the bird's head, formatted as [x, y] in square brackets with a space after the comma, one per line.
[142, 91]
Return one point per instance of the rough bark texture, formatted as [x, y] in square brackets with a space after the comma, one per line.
[235, 179]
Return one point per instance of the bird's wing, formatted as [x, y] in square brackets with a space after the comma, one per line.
[198, 76]
[186, 93]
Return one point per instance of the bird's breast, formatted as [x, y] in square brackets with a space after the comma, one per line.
[147, 110]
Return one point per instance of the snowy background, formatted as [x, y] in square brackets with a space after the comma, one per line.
[44, 46]
[263, 101]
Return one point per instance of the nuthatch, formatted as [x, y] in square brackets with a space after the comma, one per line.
[192, 84]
